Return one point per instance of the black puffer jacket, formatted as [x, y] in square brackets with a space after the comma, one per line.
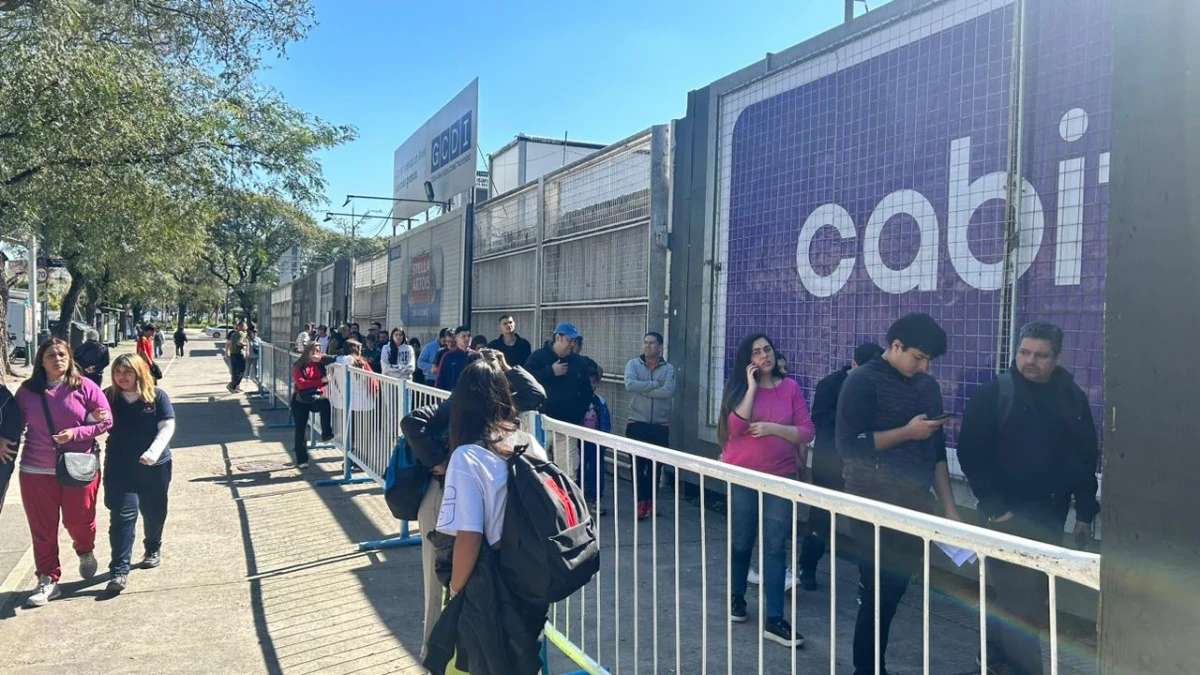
[492, 632]
[1037, 459]
[427, 429]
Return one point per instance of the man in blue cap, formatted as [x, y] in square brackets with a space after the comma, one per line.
[563, 374]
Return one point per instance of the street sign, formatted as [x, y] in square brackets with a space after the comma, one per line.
[56, 262]
[42, 275]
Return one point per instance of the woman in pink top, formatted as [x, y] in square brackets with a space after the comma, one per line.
[73, 404]
[764, 426]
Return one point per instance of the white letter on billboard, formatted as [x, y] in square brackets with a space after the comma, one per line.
[965, 198]
[922, 272]
[819, 285]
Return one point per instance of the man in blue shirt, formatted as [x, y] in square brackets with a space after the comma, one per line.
[454, 361]
[428, 357]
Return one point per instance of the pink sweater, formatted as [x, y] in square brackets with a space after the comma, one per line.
[68, 408]
[771, 454]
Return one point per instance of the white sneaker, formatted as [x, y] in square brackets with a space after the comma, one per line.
[88, 565]
[789, 579]
[46, 591]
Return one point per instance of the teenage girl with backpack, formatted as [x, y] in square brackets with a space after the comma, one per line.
[484, 432]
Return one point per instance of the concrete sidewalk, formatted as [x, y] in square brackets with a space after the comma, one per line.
[260, 573]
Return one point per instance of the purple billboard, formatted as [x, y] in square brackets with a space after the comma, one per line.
[870, 181]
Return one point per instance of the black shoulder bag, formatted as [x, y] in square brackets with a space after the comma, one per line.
[73, 469]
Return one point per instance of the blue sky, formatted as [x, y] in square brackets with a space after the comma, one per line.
[596, 71]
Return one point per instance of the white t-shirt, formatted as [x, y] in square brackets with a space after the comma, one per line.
[477, 489]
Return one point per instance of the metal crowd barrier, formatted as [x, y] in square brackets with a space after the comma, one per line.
[603, 643]
[367, 411]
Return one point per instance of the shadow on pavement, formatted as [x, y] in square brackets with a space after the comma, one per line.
[318, 603]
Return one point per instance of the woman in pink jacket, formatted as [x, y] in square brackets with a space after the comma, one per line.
[764, 426]
[70, 399]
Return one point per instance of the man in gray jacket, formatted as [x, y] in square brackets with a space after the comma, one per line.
[650, 381]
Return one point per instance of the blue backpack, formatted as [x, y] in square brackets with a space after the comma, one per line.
[405, 482]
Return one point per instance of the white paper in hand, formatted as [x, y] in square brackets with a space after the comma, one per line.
[959, 556]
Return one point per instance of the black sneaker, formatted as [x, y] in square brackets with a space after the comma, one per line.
[779, 630]
[153, 559]
[737, 610]
[808, 580]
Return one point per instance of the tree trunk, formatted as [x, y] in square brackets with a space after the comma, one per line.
[5, 345]
[182, 314]
[138, 312]
[246, 300]
[69, 303]
[93, 302]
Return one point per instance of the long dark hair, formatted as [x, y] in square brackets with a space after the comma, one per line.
[306, 355]
[37, 381]
[394, 353]
[353, 348]
[735, 386]
[482, 409]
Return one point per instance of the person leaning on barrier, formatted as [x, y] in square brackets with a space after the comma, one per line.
[426, 430]
[309, 386]
[889, 434]
[1028, 445]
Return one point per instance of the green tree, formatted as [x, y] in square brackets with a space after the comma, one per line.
[246, 242]
[124, 123]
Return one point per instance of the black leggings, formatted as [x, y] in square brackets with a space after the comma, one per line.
[300, 412]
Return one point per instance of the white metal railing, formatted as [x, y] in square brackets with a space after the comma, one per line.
[604, 643]
[367, 411]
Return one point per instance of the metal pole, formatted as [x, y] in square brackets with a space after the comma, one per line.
[31, 331]
[849, 10]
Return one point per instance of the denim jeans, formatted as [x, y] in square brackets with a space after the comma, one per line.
[591, 471]
[129, 489]
[777, 515]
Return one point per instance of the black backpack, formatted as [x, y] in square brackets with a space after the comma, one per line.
[548, 549]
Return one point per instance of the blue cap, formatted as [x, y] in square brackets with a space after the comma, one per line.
[567, 329]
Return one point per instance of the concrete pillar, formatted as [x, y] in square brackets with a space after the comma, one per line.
[1150, 574]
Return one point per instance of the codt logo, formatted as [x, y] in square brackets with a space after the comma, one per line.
[965, 198]
[451, 143]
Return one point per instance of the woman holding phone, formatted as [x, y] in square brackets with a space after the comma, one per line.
[764, 426]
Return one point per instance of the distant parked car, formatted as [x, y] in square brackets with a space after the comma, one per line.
[218, 332]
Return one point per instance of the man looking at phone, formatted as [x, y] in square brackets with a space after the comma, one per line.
[1028, 445]
[889, 433]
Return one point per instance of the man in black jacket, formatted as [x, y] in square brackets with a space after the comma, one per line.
[426, 430]
[1028, 446]
[515, 348]
[563, 374]
[826, 463]
[92, 357]
[889, 433]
